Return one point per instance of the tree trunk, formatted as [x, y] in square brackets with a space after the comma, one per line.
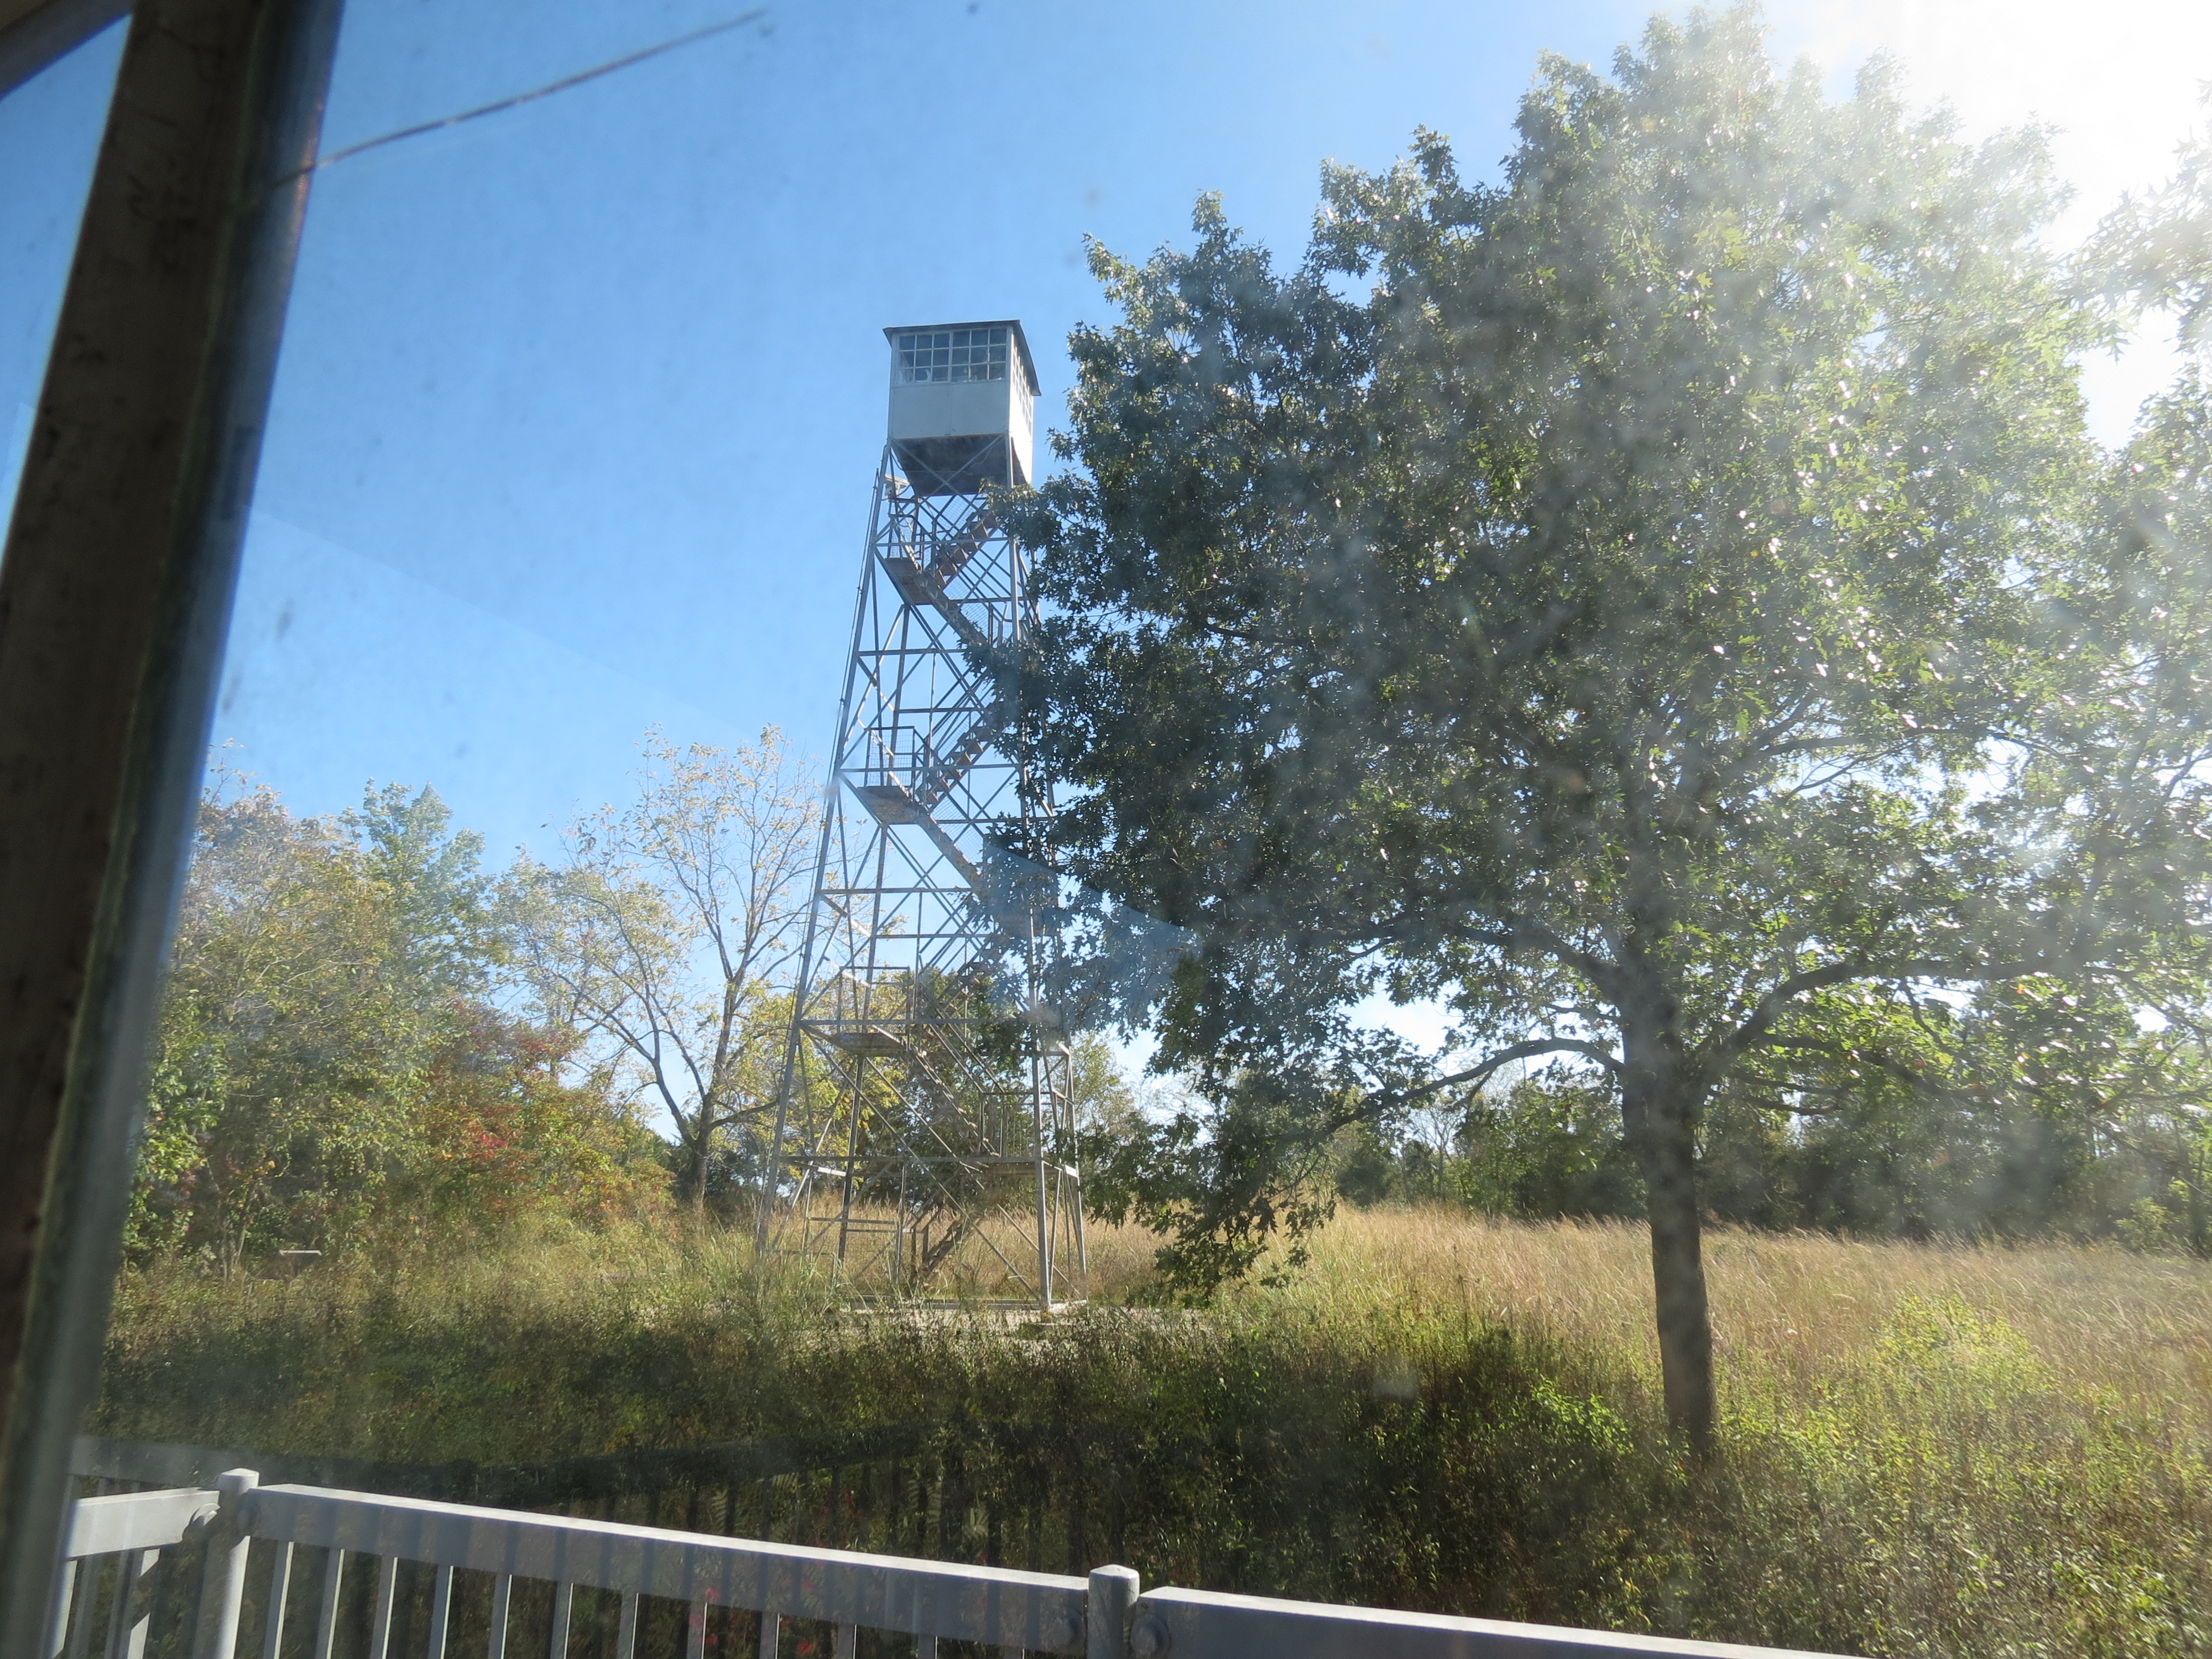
[1667, 1155]
[1661, 1119]
[692, 1181]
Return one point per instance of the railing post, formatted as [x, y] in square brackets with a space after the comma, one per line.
[564, 1601]
[1113, 1593]
[222, 1587]
[379, 1617]
[441, 1613]
[131, 1609]
[327, 1615]
[502, 1596]
[58, 1616]
[280, 1596]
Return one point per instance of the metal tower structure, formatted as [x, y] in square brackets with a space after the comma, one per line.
[925, 1129]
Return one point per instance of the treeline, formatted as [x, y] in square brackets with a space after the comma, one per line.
[345, 1055]
[370, 1041]
[1892, 1161]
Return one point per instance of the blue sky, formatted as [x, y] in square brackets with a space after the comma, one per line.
[580, 404]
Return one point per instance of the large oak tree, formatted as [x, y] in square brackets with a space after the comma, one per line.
[1664, 605]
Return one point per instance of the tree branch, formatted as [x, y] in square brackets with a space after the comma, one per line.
[1505, 1057]
[1718, 1051]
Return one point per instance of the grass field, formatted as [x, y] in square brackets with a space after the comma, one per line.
[1928, 1449]
[1792, 1312]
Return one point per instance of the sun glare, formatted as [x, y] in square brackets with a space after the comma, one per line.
[2119, 85]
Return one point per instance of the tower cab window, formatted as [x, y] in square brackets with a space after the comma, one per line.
[945, 355]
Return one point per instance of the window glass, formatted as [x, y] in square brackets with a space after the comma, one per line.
[49, 129]
[1051, 975]
[950, 355]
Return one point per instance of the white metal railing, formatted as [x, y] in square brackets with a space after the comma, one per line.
[133, 1528]
[927, 1601]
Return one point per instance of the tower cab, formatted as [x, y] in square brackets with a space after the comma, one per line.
[962, 405]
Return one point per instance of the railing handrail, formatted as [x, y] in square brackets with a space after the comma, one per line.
[517, 1485]
[1102, 1617]
[134, 1521]
[1188, 1623]
[1004, 1606]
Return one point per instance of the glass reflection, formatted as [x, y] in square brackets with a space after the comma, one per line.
[485, 985]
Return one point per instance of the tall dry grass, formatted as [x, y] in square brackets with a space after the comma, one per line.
[1789, 1309]
[1928, 1449]
[1942, 1449]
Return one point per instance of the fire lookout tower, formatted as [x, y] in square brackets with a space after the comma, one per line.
[925, 1132]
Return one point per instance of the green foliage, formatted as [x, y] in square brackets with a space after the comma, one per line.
[1915, 1162]
[1104, 1099]
[507, 1136]
[1551, 1147]
[1220, 1187]
[1664, 606]
[328, 1070]
[2157, 250]
[1950, 1442]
